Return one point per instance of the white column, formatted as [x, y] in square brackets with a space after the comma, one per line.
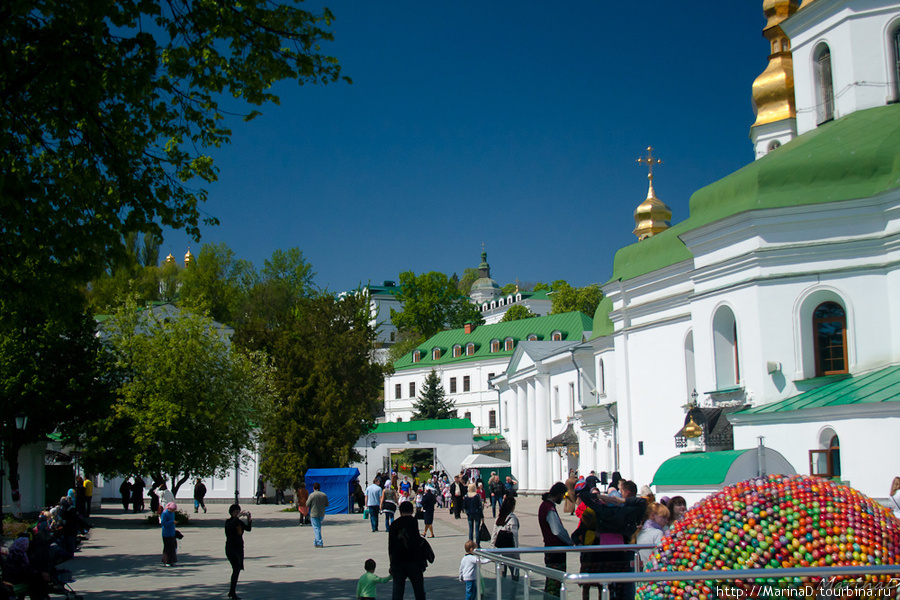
[534, 446]
[521, 434]
[508, 428]
[542, 431]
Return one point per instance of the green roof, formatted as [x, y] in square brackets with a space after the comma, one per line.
[857, 156]
[697, 468]
[426, 425]
[572, 325]
[603, 325]
[878, 386]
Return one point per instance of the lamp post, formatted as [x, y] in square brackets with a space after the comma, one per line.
[21, 420]
[370, 440]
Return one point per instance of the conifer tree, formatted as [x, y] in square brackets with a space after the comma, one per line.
[432, 404]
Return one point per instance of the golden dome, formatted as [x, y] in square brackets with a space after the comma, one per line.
[188, 258]
[773, 90]
[652, 215]
[692, 430]
[170, 260]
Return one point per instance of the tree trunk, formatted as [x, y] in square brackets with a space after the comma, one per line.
[11, 452]
[176, 484]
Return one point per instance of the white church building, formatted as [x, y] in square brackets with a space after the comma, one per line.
[771, 311]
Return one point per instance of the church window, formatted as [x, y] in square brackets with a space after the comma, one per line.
[417, 356]
[825, 461]
[398, 391]
[556, 336]
[453, 385]
[492, 419]
[457, 351]
[436, 354]
[725, 347]
[467, 383]
[601, 378]
[467, 415]
[495, 345]
[412, 389]
[824, 84]
[509, 344]
[830, 339]
[773, 144]
[895, 55]
[532, 337]
[470, 349]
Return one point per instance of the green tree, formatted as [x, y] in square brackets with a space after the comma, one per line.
[326, 383]
[431, 303]
[509, 288]
[516, 313]
[186, 401]
[469, 277]
[218, 284]
[538, 287]
[432, 403]
[566, 298]
[52, 367]
[108, 110]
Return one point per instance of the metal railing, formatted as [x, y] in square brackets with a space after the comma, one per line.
[761, 577]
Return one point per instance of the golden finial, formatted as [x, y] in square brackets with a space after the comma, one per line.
[188, 258]
[649, 161]
[517, 285]
[652, 215]
[170, 260]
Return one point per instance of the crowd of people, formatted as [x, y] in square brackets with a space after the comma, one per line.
[33, 559]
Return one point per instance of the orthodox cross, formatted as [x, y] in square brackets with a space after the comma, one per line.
[649, 161]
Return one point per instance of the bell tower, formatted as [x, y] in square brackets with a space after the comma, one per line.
[773, 90]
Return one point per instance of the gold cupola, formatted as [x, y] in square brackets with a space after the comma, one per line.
[188, 258]
[170, 260]
[652, 215]
[773, 90]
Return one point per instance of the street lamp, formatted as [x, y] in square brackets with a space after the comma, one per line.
[371, 439]
[21, 420]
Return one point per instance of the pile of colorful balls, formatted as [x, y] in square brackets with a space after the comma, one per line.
[772, 522]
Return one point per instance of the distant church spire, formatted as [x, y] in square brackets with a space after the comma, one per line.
[652, 215]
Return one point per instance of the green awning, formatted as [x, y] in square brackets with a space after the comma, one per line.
[878, 386]
[697, 468]
[426, 425]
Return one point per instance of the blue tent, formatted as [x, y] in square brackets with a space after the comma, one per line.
[336, 485]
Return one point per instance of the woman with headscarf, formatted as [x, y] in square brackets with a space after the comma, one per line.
[553, 533]
[170, 545]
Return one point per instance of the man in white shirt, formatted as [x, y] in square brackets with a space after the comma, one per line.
[373, 500]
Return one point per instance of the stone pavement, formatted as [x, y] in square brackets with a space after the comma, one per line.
[121, 559]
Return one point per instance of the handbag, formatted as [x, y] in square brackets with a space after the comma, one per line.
[483, 534]
[366, 513]
[420, 514]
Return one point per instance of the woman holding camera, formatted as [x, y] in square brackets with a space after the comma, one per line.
[234, 543]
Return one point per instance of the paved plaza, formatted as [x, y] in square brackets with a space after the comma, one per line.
[122, 557]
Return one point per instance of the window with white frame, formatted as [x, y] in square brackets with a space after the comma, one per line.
[495, 345]
[435, 354]
[556, 336]
[457, 351]
[470, 349]
[571, 399]
[824, 83]
[412, 389]
[492, 419]
[453, 385]
[398, 391]
[466, 383]
[509, 344]
[417, 356]
[726, 349]
[554, 410]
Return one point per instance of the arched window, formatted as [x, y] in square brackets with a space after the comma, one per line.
[495, 345]
[509, 299]
[435, 354]
[725, 347]
[830, 338]
[518, 297]
[825, 461]
[824, 84]
[470, 349]
[457, 351]
[532, 337]
[895, 62]
[500, 302]
[556, 336]
[493, 304]
[773, 144]
[508, 343]
[417, 356]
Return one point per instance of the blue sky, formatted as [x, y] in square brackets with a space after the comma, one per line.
[516, 124]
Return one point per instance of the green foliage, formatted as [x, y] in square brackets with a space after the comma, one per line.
[509, 288]
[516, 313]
[538, 287]
[110, 107]
[469, 277]
[432, 403]
[51, 364]
[566, 298]
[406, 343]
[186, 399]
[218, 284]
[431, 303]
[327, 385]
